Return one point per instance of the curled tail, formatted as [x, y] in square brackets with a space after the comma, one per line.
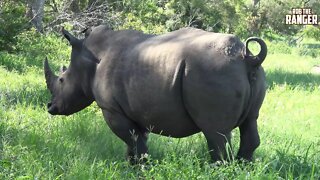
[258, 59]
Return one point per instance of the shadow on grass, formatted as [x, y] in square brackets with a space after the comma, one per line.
[70, 141]
[161, 147]
[293, 158]
[297, 165]
[311, 45]
[86, 137]
[288, 165]
[301, 80]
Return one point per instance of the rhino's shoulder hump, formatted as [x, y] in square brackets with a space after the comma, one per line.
[103, 32]
[101, 29]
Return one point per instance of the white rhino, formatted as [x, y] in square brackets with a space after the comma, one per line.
[176, 85]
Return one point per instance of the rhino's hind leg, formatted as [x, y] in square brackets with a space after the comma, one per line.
[249, 138]
[134, 136]
[217, 145]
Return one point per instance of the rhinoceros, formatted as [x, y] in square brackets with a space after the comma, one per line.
[176, 84]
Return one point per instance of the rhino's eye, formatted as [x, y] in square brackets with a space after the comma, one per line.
[61, 80]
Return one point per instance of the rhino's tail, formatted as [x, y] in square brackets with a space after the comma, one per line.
[258, 59]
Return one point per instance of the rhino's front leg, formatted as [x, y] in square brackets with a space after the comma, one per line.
[134, 136]
[249, 138]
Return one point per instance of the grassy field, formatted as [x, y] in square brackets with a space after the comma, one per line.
[36, 145]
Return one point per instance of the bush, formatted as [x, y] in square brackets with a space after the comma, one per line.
[31, 48]
[312, 32]
[306, 50]
[12, 22]
[279, 47]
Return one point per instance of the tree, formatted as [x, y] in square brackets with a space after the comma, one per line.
[255, 2]
[35, 12]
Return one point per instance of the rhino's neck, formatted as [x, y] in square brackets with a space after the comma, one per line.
[86, 80]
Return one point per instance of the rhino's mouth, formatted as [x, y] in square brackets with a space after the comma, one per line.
[52, 109]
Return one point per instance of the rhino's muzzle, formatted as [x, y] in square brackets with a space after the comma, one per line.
[52, 109]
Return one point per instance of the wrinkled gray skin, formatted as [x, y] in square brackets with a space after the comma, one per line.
[176, 85]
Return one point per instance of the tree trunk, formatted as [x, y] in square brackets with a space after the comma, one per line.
[75, 6]
[71, 5]
[255, 2]
[35, 12]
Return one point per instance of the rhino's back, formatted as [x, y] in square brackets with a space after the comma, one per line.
[169, 83]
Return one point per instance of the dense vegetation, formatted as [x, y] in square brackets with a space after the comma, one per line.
[36, 145]
[241, 17]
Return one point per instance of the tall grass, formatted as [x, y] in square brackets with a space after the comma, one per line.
[36, 145]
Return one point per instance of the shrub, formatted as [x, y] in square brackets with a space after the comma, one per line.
[31, 48]
[306, 50]
[12, 22]
[279, 47]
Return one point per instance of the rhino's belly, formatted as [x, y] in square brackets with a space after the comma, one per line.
[166, 117]
[160, 110]
[168, 123]
[152, 96]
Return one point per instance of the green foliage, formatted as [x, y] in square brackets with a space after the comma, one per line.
[306, 50]
[274, 13]
[309, 47]
[238, 17]
[161, 16]
[279, 47]
[32, 48]
[12, 22]
[312, 32]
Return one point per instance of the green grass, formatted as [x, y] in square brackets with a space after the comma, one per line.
[36, 145]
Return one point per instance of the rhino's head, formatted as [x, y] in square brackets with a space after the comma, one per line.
[71, 91]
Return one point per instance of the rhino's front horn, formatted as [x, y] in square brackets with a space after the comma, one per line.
[50, 76]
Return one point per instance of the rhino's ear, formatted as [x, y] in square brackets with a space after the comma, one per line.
[72, 40]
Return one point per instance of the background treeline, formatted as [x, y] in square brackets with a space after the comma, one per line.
[241, 17]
